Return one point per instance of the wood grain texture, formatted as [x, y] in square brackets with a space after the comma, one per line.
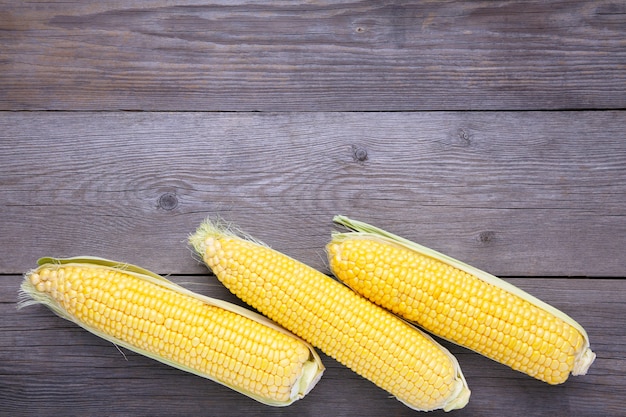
[517, 194]
[303, 55]
[52, 366]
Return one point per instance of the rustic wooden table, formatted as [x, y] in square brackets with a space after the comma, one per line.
[491, 131]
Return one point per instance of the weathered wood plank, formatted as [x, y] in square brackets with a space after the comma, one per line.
[518, 194]
[49, 366]
[302, 55]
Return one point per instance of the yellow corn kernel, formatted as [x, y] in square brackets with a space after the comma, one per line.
[490, 316]
[160, 320]
[369, 340]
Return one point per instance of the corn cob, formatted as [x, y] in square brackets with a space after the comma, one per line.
[459, 303]
[371, 341]
[150, 315]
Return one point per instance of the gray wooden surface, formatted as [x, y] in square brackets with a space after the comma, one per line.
[312, 55]
[491, 131]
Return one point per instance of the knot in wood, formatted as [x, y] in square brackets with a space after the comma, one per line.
[359, 153]
[168, 201]
[487, 236]
[465, 137]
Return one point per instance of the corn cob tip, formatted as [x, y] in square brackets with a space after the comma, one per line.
[460, 398]
[583, 362]
[202, 237]
[210, 229]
